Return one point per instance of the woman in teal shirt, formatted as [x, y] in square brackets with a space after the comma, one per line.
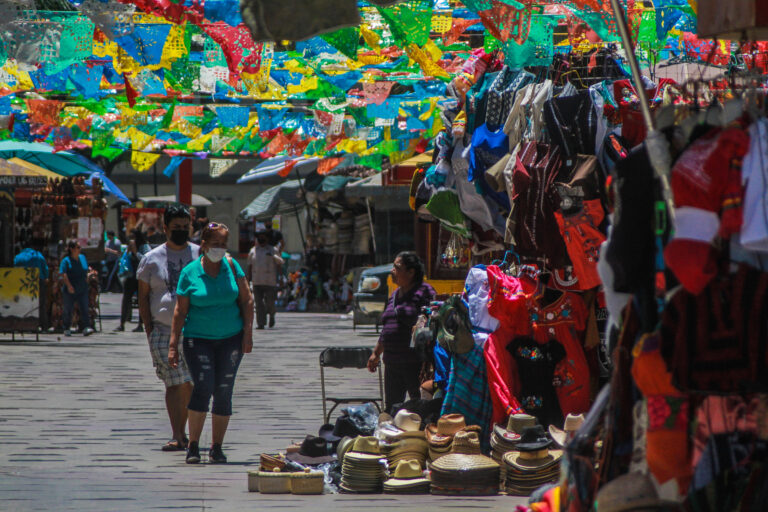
[214, 312]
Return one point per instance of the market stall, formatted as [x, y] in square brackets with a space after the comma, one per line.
[42, 211]
[604, 228]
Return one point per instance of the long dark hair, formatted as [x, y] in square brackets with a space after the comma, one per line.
[411, 261]
[138, 236]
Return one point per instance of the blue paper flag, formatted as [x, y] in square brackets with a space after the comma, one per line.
[232, 117]
[173, 165]
[145, 44]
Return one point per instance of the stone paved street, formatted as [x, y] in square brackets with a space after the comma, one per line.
[82, 421]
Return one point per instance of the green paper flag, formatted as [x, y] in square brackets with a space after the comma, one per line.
[346, 40]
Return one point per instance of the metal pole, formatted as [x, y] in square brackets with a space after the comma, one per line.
[629, 48]
[370, 221]
[656, 143]
[301, 231]
[154, 177]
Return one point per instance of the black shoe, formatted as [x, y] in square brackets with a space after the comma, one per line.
[260, 327]
[120, 328]
[193, 453]
[139, 329]
[216, 455]
[271, 321]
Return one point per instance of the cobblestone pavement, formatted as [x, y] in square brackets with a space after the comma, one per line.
[82, 421]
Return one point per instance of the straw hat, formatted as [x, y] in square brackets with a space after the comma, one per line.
[529, 461]
[385, 418]
[462, 474]
[364, 448]
[466, 442]
[572, 423]
[408, 474]
[345, 445]
[440, 434]
[515, 425]
[407, 421]
[633, 491]
[463, 462]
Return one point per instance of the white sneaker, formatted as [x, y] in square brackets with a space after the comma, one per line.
[67, 332]
[88, 331]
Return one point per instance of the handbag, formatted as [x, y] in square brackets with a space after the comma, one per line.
[125, 267]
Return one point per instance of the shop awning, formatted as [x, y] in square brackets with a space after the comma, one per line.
[372, 187]
[197, 200]
[13, 175]
[415, 161]
[33, 170]
[282, 198]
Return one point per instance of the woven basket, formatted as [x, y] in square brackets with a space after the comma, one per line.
[308, 482]
[253, 481]
[274, 482]
[270, 462]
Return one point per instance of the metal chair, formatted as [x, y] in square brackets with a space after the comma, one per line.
[347, 357]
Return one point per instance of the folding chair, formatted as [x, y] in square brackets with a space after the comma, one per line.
[347, 357]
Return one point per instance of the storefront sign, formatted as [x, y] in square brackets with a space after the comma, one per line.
[23, 181]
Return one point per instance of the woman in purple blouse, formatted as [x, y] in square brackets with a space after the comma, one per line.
[401, 362]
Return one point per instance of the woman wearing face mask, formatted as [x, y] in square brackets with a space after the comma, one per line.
[214, 312]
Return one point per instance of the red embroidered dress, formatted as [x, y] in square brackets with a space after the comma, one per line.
[565, 321]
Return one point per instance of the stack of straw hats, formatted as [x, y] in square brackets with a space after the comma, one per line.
[460, 474]
[440, 436]
[407, 479]
[403, 438]
[504, 440]
[532, 464]
[363, 470]
[464, 471]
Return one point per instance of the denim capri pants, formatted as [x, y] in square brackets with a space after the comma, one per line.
[213, 365]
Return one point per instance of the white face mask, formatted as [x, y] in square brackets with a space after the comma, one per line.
[215, 254]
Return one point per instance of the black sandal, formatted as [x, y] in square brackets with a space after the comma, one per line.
[174, 446]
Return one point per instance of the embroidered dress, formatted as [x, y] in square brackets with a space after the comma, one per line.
[536, 366]
[565, 321]
[507, 303]
[583, 239]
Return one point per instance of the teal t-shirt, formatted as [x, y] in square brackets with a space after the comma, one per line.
[213, 309]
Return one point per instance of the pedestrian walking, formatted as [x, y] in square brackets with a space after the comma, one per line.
[113, 249]
[73, 271]
[158, 277]
[137, 248]
[262, 270]
[214, 312]
[401, 362]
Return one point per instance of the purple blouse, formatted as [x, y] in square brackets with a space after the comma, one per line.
[398, 320]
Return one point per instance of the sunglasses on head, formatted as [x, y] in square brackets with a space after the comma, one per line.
[216, 225]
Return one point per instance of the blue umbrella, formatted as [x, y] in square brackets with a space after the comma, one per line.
[108, 185]
[63, 162]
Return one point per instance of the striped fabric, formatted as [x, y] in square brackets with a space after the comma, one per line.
[468, 392]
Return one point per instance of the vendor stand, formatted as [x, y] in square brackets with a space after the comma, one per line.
[43, 211]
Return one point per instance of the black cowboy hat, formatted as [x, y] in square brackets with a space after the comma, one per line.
[314, 450]
[533, 439]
